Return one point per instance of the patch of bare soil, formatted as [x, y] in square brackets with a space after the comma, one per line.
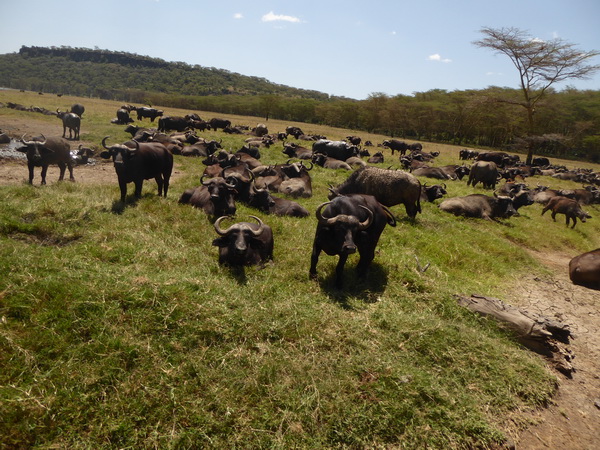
[573, 421]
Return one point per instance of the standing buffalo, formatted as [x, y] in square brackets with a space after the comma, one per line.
[335, 149]
[151, 113]
[71, 121]
[480, 206]
[123, 117]
[176, 123]
[396, 145]
[567, 206]
[584, 269]
[134, 165]
[42, 152]
[389, 187]
[244, 243]
[348, 223]
[78, 109]
[484, 172]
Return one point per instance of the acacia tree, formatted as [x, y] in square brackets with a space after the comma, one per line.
[540, 65]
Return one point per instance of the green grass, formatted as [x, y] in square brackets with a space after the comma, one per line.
[118, 327]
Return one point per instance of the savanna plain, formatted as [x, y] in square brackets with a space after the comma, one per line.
[119, 328]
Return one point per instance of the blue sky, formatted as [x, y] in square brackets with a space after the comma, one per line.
[340, 47]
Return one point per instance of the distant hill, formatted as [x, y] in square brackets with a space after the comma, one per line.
[114, 75]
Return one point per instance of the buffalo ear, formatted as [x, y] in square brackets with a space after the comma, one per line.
[220, 242]
[22, 149]
[105, 154]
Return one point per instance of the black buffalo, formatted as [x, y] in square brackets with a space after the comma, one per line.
[78, 109]
[244, 243]
[123, 117]
[480, 206]
[431, 193]
[151, 113]
[135, 162]
[335, 149]
[347, 224]
[396, 145]
[216, 196]
[41, 152]
[177, 123]
[71, 121]
[216, 123]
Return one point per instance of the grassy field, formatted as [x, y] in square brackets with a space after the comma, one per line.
[118, 327]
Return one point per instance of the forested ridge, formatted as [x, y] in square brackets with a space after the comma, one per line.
[568, 121]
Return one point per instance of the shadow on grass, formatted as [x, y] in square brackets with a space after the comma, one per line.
[118, 207]
[366, 290]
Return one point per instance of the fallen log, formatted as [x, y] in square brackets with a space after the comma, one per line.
[539, 334]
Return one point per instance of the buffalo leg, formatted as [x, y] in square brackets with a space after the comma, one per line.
[30, 167]
[123, 188]
[159, 182]
[62, 167]
[339, 271]
[44, 170]
[70, 167]
[138, 188]
[313, 261]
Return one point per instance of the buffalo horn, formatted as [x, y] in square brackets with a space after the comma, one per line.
[104, 142]
[261, 227]
[218, 228]
[322, 219]
[367, 223]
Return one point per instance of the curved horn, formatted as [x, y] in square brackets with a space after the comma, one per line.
[232, 182]
[202, 182]
[137, 146]
[104, 142]
[218, 228]
[444, 184]
[367, 223]
[307, 168]
[80, 145]
[261, 227]
[322, 219]
[23, 141]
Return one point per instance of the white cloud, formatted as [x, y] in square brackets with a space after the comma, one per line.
[538, 40]
[394, 33]
[437, 57]
[238, 16]
[272, 17]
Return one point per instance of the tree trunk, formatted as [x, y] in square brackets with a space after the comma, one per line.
[537, 333]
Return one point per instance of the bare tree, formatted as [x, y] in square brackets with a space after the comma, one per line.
[540, 65]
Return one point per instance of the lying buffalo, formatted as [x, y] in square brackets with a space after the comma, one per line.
[244, 243]
[345, 224]
[480, 206]
[584, 269]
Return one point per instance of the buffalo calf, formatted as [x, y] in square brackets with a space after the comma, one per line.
[567, 206]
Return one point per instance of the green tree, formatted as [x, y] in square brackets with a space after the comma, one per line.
[540, 65]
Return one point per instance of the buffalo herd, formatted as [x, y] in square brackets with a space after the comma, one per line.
[357, 210]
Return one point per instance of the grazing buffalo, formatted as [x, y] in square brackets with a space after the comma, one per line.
[480, 206]
[389, 187]
[484, 172]
[396, 145]
[71, 121]
[41, 152]
[151, 113]
[135, 162]
[216, 123]
[244, 243]
[584, 269]
[216, 197]
[348, 223]
[78, 109]
[335, 149]
[567, 206]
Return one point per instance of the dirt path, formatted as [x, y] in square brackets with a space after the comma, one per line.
[573, 422]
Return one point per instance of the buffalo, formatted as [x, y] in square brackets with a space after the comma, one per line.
[567, 206]
[335, 149]
[78, 109]
[151, 113]
[432, 193]
[41, 152]
[216, 123]
[329, 163]
[177, 123]
[484, 172]
[123, 117]
[216, 197]
[584, 269]
[431, 172]
[244, 243]
[71, 121]
[294, 150]
[142, 162]
[389, 187]
[396, 145]
[480, 206]
[346, 224]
